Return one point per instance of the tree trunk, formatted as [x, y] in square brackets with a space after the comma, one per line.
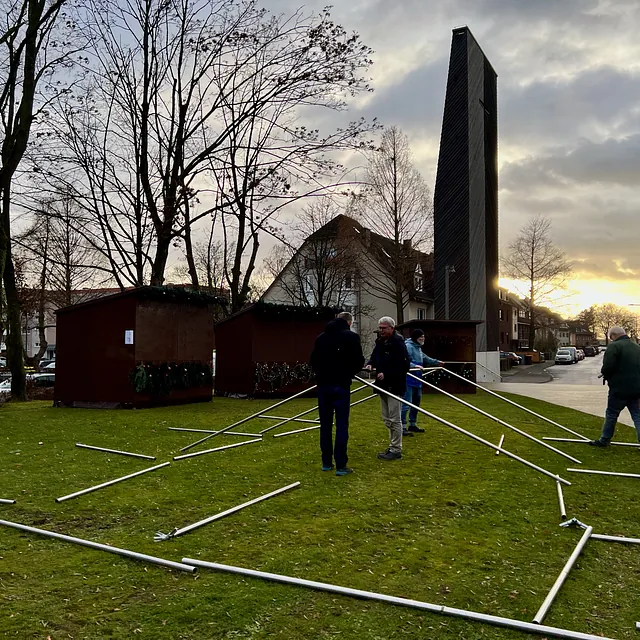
[188, 245]
[15, 356]
[160, 261]
[399, 303]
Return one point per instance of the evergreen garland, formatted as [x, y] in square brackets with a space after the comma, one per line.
[180, 295]
[278, 375]
[162, 379]
[288, 311]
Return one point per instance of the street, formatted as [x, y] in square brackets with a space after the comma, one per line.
[584, 372]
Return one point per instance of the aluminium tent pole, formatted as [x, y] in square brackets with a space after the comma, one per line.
[196, 525]
[304, 413]
[316, 427]
[515, 404]
[102, 547]
[496, 419]
[121, 453]
[227, 446]
[3, 501]
[251, 417]
[500, 444]
[110, 482]
[470, 435]
[498, 621]
[620, 444]
[563, 511]
[548, 601]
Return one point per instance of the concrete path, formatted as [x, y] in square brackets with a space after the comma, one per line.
[588, 398]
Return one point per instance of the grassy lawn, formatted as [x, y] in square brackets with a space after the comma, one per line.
[451, 523]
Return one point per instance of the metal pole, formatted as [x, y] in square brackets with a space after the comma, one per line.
[251, 417]
[498, 420]
[515, 404]
[620, 444]
[548, 601]
[285, 418]
[299, 415]
[108, 484]
[3, 501]
[228, 446]
[226, 433]
[196, 525]
[290, 433]
[598, 536]
[471, 435]
[102, 547]
[121, 453]
[563, 512]
[403, 602]
[500, 444]
[607, 473]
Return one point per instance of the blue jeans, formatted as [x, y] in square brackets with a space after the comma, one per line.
[334, 399]
[412, 395]
[614, 406]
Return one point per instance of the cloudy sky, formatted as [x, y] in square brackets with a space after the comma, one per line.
[569, 114]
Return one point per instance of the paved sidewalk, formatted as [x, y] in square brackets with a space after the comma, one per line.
[528, 373]
[587, 398]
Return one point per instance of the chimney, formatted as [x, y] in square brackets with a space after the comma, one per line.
[406, 245]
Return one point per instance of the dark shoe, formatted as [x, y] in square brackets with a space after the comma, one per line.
[406, 433]
[389, 455]
[598, 443]
[329, 468]
[345, 471]
[415, 429]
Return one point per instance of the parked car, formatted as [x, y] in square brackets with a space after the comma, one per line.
[564, 356]
[43, 379]
[581, 355]
[44, 363]
[589, 352]
[5, 387]
[49, 367]
[511, 357]
[574, 353]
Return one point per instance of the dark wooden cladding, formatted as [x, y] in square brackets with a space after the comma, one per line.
[466, 193]
[249, 338]
[452, 342]
[94, 365]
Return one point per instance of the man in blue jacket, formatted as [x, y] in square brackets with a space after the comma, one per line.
[335, 359]
[391, 362]
[419, 359]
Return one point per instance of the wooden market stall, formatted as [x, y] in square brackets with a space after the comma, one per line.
[141, 347]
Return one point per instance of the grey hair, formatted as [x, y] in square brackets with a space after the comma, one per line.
[388, 321]
[617, 332]
[346, 316]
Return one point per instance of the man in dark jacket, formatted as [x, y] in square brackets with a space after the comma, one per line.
[621, 369]
[335, 359]
[391, 362]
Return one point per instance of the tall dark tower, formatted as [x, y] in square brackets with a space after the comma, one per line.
[466, 194]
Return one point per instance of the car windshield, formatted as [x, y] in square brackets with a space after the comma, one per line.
[564, 352]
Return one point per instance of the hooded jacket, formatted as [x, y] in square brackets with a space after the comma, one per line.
[337, 355]
[621, 367]
[418, 358]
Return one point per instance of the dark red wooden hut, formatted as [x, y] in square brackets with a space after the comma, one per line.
[453, 341]
[264, 350]
[142, 347]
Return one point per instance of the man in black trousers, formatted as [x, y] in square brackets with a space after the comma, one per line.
[335, 359]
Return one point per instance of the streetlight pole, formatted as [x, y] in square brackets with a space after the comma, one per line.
[448, 270]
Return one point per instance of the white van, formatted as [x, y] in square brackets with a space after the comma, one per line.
[574, 354]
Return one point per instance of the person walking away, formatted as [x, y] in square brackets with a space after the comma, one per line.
[391, 362]
[419, 360]
[621, 370]
[335, 359]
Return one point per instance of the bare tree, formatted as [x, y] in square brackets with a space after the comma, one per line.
[397, 205]
[191, 112]
[30, 56]
[534, 259]
[317, 267]
[610, 315]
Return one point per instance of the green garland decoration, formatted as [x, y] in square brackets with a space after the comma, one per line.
[287, 310]
[180, 295]
[162, 379]
[278, 375]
